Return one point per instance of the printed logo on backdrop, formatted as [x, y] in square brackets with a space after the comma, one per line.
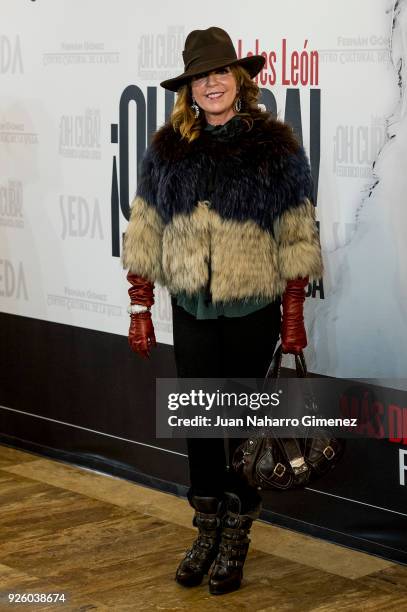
[398, 435]
[160, 56]
[356, 148]
[284, 66]
[80, 217]
[12, 280]
[84, 300]
[11, 59]
[83, 52]
[11, 204]
[402, 467]
[357, 49]
[160, 53]
[383, 415]
[79, 135]
[15, 133]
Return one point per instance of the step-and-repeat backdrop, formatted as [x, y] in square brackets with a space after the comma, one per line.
[80, 99]
[81, 95]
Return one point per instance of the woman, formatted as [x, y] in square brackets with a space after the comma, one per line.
[223, 217]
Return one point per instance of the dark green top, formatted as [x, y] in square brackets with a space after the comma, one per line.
[200, 305]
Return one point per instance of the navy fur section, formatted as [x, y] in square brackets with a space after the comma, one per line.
[258, 176]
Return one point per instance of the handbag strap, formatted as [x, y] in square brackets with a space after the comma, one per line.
[274, 369]
[293, 454]
[300, 365]
[274, 372]
[289, 446]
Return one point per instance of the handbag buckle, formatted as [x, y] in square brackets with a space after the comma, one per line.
[279, 469]
[328, 452]
[298, 465]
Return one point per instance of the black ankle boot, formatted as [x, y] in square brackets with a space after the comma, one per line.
[199, 558]
[227, 570]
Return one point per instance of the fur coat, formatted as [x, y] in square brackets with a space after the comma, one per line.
[256, 231]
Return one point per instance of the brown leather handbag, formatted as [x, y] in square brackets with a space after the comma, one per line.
[270, 462]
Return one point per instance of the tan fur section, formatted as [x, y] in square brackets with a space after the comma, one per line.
[243, 257]
[244, 261]
[142, 245]
[299, 252]
[186, 251]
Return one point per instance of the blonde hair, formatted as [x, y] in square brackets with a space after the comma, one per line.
[183, 117]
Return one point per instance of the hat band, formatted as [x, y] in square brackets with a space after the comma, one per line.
[214, 52]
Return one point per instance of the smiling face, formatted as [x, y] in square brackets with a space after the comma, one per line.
[215, 92]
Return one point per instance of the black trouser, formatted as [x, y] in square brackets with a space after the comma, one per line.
[227, 347]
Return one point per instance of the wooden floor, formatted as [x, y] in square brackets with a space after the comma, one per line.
[109, 544]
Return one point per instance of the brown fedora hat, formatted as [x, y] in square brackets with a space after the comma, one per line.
[207, 50]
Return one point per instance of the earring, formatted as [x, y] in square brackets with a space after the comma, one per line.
[238, 105]
[195, 108]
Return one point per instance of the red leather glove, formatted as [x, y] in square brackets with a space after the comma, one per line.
[141, 290]
[293, 335]
[141, 331]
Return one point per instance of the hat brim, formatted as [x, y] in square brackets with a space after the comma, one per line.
[253, 65]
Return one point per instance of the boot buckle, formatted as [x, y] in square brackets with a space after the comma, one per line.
[234, 563]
